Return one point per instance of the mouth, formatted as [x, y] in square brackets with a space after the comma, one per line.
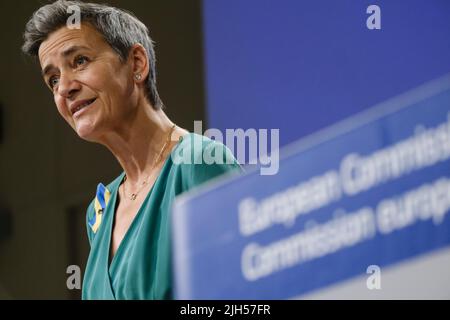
[85, 104]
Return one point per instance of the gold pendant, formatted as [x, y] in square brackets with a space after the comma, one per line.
[133, 196]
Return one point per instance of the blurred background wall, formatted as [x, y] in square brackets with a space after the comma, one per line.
[48, 174]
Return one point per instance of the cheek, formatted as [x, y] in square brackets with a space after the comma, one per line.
[114, 89]
[62, 108]
[59, 105]
[116, 80]
[104, 77]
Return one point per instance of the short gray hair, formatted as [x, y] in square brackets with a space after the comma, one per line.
[120, 28]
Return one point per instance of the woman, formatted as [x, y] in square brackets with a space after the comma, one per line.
[102, 76]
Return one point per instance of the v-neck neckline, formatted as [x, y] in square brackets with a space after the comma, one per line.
[110, 263]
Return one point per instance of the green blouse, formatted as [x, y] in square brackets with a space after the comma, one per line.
[141, 267]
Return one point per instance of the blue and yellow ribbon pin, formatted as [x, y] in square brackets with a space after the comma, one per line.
[101, 201]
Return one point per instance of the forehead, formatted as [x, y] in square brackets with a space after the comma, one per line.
[64, 38]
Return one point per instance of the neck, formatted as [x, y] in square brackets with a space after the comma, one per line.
[138, 141]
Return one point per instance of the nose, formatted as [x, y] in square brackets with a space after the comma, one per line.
[68, 86]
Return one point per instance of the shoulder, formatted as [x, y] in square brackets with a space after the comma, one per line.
[198, 149]
[200, 159]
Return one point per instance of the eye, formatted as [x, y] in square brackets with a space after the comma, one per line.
[53, 81]
[80, 60]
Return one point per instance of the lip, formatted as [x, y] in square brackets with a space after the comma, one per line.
[74, 106]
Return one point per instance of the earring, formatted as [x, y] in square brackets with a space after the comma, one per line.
[138, 77]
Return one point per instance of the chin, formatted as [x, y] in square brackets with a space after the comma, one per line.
[86, 132]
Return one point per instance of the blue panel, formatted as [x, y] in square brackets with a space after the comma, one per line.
[373, 190]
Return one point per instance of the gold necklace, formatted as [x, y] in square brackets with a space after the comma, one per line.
[155, 162]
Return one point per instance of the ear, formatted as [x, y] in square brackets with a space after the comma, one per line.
[139, 62]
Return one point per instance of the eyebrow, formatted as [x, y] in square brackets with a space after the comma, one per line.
[65, 54]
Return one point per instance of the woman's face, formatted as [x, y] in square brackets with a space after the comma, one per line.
[93, 90]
